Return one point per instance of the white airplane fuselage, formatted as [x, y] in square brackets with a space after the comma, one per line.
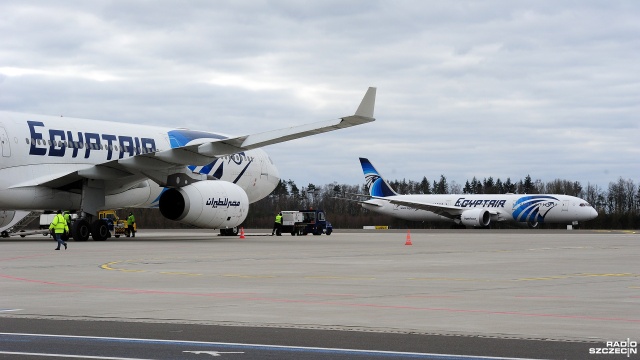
[506, 207]
[38, 149]
[477, 210]
[200, 178]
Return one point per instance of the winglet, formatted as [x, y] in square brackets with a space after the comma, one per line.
[368, 103]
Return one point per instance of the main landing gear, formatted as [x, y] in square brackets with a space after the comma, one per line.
[82, 228]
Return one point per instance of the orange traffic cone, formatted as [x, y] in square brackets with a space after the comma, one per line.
[408, 242]
[241, 233]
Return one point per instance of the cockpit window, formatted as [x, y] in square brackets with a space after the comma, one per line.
[585, 204]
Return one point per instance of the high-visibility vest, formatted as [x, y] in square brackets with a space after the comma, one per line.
[279, 219]
[59, 224]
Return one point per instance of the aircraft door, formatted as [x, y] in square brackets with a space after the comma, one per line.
[4, 139]
[565, 205]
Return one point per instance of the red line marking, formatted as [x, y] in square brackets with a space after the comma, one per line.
[23, 257]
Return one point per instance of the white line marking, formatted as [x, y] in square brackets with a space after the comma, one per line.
[70, 356]
[186, 342]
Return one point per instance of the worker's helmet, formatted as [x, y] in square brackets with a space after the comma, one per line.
[59, 211]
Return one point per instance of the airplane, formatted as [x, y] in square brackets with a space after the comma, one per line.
[200, 178]
[470, 210]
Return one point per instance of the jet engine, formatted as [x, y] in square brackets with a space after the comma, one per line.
[475, 217]
[529, 224]
[6, 217]
[207, 204]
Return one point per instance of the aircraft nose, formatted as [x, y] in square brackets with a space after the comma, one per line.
[593, 214]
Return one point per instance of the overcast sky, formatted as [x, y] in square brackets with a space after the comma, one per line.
[465, 88]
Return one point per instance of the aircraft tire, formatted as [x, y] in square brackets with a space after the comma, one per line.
[80, 230]
[99, 230]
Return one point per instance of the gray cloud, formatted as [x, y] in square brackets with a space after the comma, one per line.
[465, 89]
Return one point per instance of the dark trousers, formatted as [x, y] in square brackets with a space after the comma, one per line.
[58, 237]
[276, 226]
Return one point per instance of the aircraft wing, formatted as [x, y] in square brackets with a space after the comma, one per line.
[451, 212]
[358, 201]
[202, 153]
[153, 165]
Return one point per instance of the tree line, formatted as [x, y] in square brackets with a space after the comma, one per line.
[618, 205]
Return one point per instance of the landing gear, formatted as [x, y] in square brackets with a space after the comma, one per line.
[80, 230]
[229, 232]
[100, 230]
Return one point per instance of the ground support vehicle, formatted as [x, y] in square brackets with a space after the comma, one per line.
[116, 226]
[303, 222]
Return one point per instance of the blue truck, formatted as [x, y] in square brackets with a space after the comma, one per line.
[303, 222]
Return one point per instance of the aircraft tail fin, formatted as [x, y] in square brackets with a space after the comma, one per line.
[378, 186]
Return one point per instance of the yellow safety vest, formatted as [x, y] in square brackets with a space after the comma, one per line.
[59, 224]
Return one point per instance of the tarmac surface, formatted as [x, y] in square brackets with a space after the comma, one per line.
[468, 294]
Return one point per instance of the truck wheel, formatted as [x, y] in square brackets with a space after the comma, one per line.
[329, 231]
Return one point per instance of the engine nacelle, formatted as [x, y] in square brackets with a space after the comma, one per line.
[529, 224]
[6, 217]
[475, 217]
[206, 204]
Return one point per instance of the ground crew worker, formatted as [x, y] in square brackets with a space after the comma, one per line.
[59, 226]
[67, 217]
[131, 221]
[277, 225]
